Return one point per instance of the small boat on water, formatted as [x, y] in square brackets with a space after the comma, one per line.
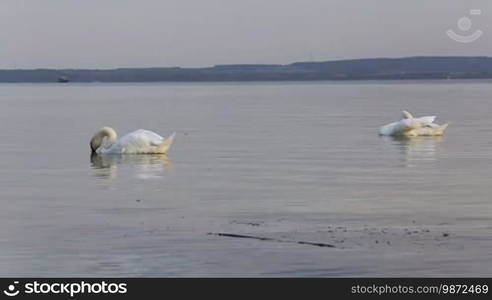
[63, 79]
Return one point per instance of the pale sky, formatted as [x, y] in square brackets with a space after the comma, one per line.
[163, 33]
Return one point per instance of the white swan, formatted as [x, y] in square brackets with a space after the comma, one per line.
[138, 142]
[410, 126]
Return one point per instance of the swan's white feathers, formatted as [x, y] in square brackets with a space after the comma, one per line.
[425, 120]
[137, 142]
[140, 139]
[411, 126]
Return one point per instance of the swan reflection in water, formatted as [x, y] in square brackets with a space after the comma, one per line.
[415, 149]
[146, 166]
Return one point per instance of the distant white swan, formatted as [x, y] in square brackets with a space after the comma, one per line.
[410, 126]
[138, 142]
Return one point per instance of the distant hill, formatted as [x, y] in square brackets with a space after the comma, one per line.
[357, 69]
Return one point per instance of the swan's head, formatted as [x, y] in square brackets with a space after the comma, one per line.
[407, 115]
[105, 137]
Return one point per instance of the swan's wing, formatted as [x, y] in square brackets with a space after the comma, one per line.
[422, 120]
[425, 121]
[432, 125]
[140, 141]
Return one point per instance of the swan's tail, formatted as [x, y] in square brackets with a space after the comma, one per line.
[441, 129]
[166, 144]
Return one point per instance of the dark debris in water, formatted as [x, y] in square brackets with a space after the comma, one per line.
[343, 237]
[232, 235]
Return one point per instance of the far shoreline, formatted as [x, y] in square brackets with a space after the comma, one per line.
[409, 68]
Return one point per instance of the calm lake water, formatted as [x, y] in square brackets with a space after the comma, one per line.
[292, 162]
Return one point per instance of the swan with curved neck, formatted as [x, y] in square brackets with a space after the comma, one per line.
[138, 142]
[410, 126]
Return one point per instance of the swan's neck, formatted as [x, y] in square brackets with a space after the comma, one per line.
[103, 139]
[407, 115]
[110, 137]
